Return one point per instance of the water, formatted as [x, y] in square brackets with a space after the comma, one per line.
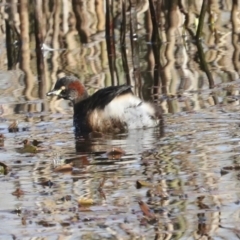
[178, 181]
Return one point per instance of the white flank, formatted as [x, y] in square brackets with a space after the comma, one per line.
[129, 109]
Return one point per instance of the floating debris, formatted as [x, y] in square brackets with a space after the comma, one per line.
[146, 210]
[46, 223]
[115, 153]
[18, 192]
[47, 183]
[85, 201]
[141, 183]
[64, 168]
[1, 140]
[28, 147]
[36, 142]
[13, 127]
[64, 199]
[4, 168]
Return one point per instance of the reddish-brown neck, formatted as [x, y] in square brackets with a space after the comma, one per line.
[80, 89]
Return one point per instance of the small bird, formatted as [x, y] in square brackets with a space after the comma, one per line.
[112, 109]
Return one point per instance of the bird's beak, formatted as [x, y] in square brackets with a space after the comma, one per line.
[54, 92]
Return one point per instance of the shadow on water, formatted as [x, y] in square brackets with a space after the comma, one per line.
[178, 181]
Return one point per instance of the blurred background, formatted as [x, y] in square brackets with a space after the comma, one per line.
[164, 49]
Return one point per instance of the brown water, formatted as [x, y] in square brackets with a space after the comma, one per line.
[179, 181]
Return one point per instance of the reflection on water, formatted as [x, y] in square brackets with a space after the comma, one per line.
[135, 141]
[192, 180]
[183, 176]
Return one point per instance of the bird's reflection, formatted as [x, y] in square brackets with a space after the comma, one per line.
[135, 141]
